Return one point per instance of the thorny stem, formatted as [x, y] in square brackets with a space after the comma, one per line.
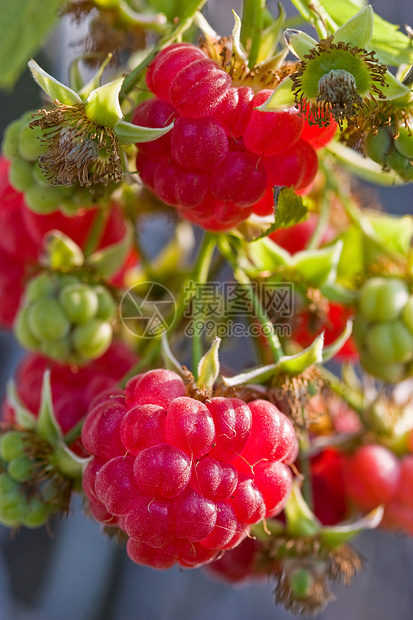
[354, 400]
[252, 22]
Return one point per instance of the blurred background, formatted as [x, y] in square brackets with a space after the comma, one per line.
[69, 571]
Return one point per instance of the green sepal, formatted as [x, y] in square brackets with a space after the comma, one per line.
[94, 83]
[110, 259]
[22, 415]
[271, 36]
[361, 166]
[340, 294]
[333, 348]
[209, 367]
[358, 30]
[169, 359]
[393, 233]
[62, 251]
[268, 255]
[128, 133]
[287, 364]
[47, 426]
[299, 43]
[318, 267]
[336, 535]
[394, 89]
[102, 105]
[281, 98]
[52, 87]
[71, 465]
[237, 48]
[300, 520]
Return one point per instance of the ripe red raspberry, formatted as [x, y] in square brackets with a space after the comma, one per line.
[73, 389]
[21, 243]
[270, 133]
[167, 64]
[207, 139]
[165, 469]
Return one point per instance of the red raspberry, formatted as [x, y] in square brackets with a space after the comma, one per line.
[175, 185]
[240, 179]
[238, 564]
[270, 133]
[198, 89]
[161, 469]
[167, 64]
[155, 113]
[235, 110]
[73, 389]
[207, 139]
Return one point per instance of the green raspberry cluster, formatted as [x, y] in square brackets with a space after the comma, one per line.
[65, 318]
[23, 146]
[383, 329]
[392, 149]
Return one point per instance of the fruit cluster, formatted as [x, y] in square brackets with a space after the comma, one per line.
[383, 328]
[21, 244]
[392, 149]
[181, 478]
[22, 145]
[65, 318]
[223, 157]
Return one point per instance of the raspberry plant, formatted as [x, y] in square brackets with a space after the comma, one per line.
[255, 139]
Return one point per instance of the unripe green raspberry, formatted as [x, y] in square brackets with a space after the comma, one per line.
[38, 176]
[20, 468]
[390, 342]
[29, 145]
[37, 513]
[392, 373]
[47, 320]
[383, 299]
[40, 286]
[42, 199]
[10, 147]
[407, 314]
[23, 332]
[21, 175]
[377, 145]
[396, 161]
[11, 445]
[79, 302]
[106, 306]
[93, 338]
[404, 143]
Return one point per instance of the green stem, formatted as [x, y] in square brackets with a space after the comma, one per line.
[95, 233]
[305, 468]
[200, 276]
[252, 23]
[317, 236]
[350, 396]
[314, 13]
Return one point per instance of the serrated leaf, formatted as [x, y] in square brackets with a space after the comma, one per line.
[208, 367]
[289, 208]
[47, 426]
[128, 133]
[333, 348]
[52, 87]
[22, 415]
[318, 267]
[110, 259]
[24, 28]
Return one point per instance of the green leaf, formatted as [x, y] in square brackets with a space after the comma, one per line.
[52, 87]
[393, 234]
[47, 426]
[111, 258]
[208, 367]
[128, 133]
[25, 25]
[318, 267]
[289, 208]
